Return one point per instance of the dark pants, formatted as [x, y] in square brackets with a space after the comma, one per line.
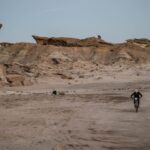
[137, 100]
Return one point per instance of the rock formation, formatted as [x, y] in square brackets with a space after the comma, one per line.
[140, 42]
[57, 147]
[25, 63]
[5, 44]
[3, 80]
[15, 79]
[70, 42]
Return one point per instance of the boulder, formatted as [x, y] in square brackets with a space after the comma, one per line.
[15, 79]
[40, 40]
[57, 147]
[54, 92]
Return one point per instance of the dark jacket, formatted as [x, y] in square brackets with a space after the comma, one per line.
[136, 94]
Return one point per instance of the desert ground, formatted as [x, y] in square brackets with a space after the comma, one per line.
[92, 110]
[90, 116]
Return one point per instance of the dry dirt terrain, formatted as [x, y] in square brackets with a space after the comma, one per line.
[94, 116]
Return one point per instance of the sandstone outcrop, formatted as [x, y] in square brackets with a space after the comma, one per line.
[26, 63]
[5, 44]
[140, 42]
[15, 79]
[3, 80]
[70, 42]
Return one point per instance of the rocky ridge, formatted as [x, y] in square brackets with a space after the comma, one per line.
[24, 63]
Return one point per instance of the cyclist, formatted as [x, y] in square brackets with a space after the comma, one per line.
[136, 94]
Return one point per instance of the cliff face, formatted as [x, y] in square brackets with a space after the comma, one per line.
[40, 40]
[140, 42]
[24, 63]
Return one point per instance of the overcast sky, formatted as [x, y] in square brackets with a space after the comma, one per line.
[114, 20]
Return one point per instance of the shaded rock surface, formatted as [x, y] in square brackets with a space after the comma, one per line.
[15, 79]
[3, 79]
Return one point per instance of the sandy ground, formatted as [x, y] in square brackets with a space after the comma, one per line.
[92, 116]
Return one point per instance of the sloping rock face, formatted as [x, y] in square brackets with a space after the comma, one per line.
[13, 75]
[140, 42]
[25, 63]
[15, 79]
[70, 42]
[40, 40]
[3, 80]
[5, 44]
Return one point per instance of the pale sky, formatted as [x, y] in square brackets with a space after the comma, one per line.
[114, 20]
